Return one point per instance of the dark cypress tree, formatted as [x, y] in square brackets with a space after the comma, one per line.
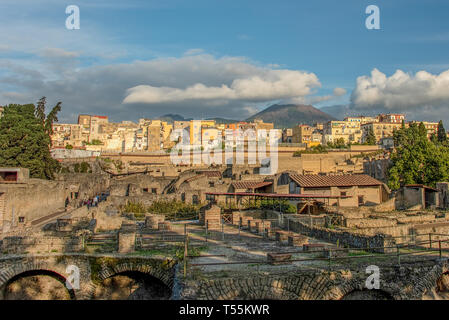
[442, 137]
[25, 141]
[370, 137]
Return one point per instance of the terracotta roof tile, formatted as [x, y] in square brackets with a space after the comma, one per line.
[251, 184]
[211, 173]
[317, 181]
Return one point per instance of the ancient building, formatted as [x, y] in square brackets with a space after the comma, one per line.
[352, 190]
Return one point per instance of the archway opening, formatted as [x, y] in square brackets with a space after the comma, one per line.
[38, 285]
[367, 295]
[132, 285]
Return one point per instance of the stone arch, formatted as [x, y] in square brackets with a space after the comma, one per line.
[153, 282]
[166, 276]
[367, 294]
[15, 272]
[352, 288]
[283, 288]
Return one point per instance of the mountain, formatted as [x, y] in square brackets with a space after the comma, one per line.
[343, 110]
[222, 120]
[290, 115]
[172, 117]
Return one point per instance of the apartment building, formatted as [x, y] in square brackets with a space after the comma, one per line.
[362, 119]
[302, 134]
[380, 129]
[391, 117]
[431, 127]
[350, 131]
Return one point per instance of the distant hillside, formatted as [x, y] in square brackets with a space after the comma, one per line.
[288, 116]
[222, 120]
[176, 117]
[343, 110]
[172, 117]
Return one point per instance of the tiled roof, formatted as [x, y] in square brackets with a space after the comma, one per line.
[316, 181]
[211, 173]
[250, 184]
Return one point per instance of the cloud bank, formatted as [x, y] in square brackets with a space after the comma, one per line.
[401, 91]
[195, 84]
[258, 85]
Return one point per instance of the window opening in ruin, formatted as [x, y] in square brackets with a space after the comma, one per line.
[145, 189]
[153, 190]
[8, 176]
[361, 200]
[21, 219]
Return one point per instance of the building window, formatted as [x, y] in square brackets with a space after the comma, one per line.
[153, 190]
[343, 193]
[361, 200]
[21, 219]
[145, 189]
[211, 184]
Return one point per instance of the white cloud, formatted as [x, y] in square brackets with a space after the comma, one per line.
[192, 85]
[193, 51]
[401, 91]
[58, 53]
[262, 85]
[338, 92]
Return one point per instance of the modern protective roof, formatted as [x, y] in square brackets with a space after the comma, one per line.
[318, 181]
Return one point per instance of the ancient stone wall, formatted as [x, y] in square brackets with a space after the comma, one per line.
[349, 239]
[396, 283]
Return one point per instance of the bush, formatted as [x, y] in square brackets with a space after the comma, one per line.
[269, 204]
[134, 207]
[175, 209]
[315, 149]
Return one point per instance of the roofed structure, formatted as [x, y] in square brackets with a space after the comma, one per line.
[317, 181]
[251, 184]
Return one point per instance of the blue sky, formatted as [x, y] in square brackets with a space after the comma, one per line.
[140, 58]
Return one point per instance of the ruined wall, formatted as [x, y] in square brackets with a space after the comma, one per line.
[344, 238]
[32, 200]
[396, 283]
[41, 244]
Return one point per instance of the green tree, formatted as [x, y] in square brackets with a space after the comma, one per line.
[370, 137]
[25, 139]
[416, 159]
[442, 137]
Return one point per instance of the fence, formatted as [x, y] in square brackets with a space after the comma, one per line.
[332, 258]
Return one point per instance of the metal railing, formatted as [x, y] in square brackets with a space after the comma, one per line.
[330, 258]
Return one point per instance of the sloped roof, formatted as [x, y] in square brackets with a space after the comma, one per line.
[317, 181]
[250, 184]
[210, 173]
